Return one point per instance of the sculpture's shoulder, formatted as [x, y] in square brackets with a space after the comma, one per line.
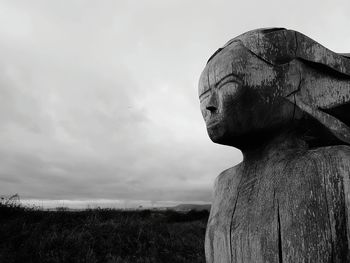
[338, 150]
[217, 241]
[332, 164]
[337, 156]
[229, 178]
[225, 189]
[341, 152]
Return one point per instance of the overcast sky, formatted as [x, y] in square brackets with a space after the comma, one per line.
[98, 99]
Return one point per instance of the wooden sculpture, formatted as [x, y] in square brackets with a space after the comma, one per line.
[284, 101]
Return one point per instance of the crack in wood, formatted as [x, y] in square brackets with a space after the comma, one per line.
[280, 254]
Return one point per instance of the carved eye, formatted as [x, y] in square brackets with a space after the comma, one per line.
[228, 87]
[230, 83]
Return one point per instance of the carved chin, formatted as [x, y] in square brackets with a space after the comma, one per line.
[217, 133]
[221, 135]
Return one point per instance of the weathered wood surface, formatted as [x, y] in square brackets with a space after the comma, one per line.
[284, 100]
[288, 207]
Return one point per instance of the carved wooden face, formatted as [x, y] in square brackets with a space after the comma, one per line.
[238, 96]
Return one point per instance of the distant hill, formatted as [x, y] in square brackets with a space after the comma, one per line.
[188, 207]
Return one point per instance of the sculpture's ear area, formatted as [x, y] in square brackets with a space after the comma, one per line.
[341, 113]
[321, 92]
[335, 125]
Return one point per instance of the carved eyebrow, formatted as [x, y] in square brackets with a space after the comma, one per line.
[204, 93]
[228, 78]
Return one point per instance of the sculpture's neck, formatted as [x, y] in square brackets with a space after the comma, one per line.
[281, 145]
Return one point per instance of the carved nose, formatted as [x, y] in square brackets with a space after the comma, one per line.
[211, 109]
[212, 104]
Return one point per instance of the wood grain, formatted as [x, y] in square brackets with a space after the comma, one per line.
[290, 207]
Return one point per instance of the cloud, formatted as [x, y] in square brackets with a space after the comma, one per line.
[98, 100]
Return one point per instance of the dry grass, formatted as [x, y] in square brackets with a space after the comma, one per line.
[100, 235]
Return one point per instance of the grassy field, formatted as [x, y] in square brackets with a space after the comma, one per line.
[100, 235]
